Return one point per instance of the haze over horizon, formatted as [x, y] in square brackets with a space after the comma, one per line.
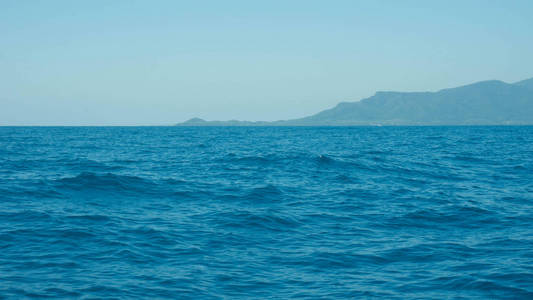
[163, 62]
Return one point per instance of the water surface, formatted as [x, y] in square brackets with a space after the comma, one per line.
[275, 212]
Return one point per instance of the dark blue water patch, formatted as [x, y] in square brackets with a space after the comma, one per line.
[304, 212]
[107, 181]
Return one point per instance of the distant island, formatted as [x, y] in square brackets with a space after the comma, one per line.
[491, 102]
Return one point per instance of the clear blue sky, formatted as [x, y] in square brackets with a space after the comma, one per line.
[161, 62]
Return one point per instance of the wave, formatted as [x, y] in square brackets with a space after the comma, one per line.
[105, 182]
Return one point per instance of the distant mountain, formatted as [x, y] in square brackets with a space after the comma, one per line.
[528, 83]
[484, 103]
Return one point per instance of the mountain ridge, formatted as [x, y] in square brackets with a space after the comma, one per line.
[490, 102]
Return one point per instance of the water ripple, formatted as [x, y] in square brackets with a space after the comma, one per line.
[223, 213]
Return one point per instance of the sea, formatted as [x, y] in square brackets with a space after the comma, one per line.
[266, 212]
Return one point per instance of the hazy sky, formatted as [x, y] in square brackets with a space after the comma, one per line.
[161, 62]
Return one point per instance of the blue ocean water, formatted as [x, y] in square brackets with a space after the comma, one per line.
[274, 212]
